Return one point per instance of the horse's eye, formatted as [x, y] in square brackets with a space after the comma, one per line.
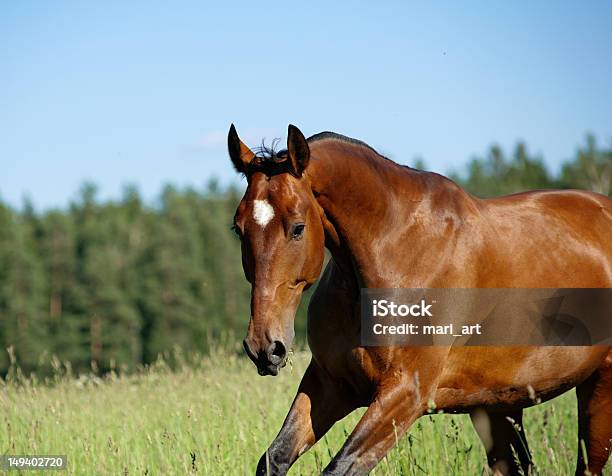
[297, 231]
[235, 229]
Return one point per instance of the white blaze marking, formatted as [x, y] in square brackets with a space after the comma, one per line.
[262, 212]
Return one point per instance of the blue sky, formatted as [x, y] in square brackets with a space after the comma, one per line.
[144, 92]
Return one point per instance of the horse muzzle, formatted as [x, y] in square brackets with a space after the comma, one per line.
[269, 360]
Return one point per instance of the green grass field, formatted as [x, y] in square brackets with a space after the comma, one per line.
[216, 416]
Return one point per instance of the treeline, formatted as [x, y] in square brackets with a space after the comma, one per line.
[113, 284]
[498, 173]
[117, 283]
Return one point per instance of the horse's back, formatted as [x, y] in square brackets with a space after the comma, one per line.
[557, 238]
[577, 210]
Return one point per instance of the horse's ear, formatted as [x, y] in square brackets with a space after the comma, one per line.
[299, 152]
[240, 154]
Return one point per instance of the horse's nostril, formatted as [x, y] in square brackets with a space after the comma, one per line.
[276, 352]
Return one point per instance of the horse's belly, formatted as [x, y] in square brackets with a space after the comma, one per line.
[513, 376]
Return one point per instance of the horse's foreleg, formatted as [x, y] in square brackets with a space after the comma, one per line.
[503, 436]
[319, 403]
[595, 421]
[396, 406]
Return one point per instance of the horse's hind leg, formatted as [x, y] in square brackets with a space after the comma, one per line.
[503, 436]
[595, 420]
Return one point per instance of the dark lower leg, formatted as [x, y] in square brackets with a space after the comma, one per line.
[594, 422]
[503, 435]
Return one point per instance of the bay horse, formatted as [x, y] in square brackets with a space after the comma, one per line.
[391, 226]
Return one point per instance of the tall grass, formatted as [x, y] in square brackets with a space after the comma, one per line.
[215, 415]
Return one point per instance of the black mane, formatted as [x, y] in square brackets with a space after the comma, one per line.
[334, 135]
[273, 161]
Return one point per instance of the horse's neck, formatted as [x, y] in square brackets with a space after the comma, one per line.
[363, 196]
